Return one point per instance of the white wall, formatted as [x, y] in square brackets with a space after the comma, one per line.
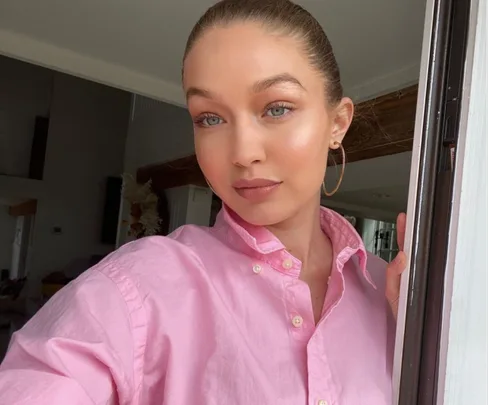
[86, 143]
[25, 92]
[7, 233]
[158, 132]
[189, 205]
[14, 190]
[383, 172]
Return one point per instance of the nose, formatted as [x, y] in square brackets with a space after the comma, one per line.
[248, 146]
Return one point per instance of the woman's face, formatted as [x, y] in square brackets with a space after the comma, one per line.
[262, 123]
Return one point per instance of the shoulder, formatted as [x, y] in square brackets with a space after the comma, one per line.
[154, 250]
[184, 244]
[159, 260]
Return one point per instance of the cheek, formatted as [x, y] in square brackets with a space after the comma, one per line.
[302, 150]
[210, 162]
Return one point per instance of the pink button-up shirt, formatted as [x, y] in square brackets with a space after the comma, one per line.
[209, 316]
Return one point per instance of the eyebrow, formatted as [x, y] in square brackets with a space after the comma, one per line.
[195, 91]
[258, 87]
[283, 78]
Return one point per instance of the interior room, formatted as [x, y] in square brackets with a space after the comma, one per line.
[97, 150]
[84, 110]
[62, 142]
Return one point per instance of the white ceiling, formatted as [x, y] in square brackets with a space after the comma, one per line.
[382, 203]
[138, 45]
[374, 188]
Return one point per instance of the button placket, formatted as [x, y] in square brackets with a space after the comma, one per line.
[319, 373]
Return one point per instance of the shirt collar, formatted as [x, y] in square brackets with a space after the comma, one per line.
[345, 240]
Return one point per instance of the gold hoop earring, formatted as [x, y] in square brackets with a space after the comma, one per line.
[209, 186]
[330, 194]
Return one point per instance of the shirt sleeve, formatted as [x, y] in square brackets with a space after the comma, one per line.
[79, 349]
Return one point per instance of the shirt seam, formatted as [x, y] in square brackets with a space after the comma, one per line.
[115, 273]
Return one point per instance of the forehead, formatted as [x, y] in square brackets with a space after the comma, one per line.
[240, 54]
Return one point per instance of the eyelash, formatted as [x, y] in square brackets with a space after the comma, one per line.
[280, 104]
[198, 121]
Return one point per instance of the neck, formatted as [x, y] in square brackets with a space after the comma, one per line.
[302, 234]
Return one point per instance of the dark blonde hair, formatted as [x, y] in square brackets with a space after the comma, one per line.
[283, 17]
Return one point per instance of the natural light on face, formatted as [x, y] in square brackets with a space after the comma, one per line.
[259, 112]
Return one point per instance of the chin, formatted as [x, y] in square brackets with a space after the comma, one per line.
[263, 214]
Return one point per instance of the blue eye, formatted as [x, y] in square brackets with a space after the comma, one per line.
[208, 121]
[277, 111]
[211, 121]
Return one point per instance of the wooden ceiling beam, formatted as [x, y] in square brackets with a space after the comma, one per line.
[24, 209]
[382, 126]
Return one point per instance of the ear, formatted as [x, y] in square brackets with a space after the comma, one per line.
[342, 118]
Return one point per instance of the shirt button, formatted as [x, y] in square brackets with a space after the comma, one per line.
[287, 264]
[257, 268]
[322, 402]
[297, 321]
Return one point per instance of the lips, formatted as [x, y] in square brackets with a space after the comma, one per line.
[256, 190]
[254, 183]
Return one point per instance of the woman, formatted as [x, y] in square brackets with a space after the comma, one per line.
[279, 303]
